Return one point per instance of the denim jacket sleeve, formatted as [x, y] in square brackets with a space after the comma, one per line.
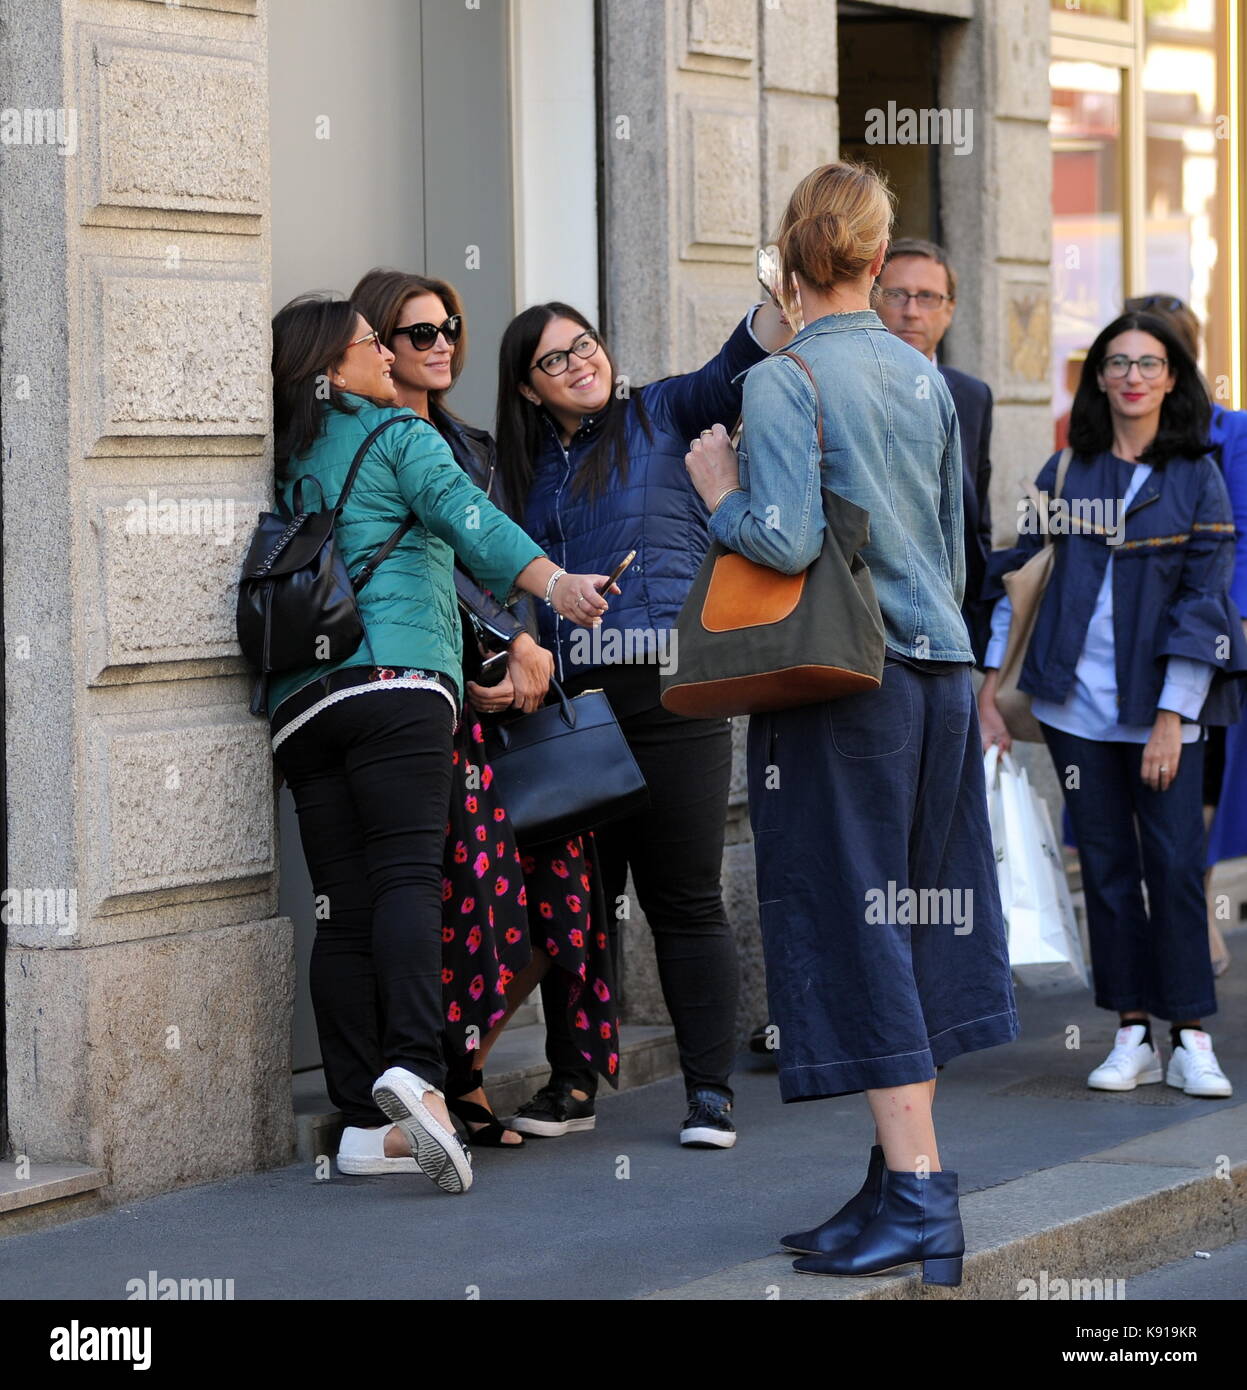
[455, 510]
[778, 520]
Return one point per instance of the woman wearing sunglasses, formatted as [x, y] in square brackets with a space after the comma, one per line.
[506, 916]
[365, 743]
[596, 468]
[1134, 649]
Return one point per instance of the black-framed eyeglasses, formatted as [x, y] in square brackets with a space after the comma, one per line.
[424, 335]
[927, 299]
[556, 363]
[374, 338]
[1151, 367]
[1170, 303]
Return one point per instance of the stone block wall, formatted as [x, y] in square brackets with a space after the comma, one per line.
[148, 1017]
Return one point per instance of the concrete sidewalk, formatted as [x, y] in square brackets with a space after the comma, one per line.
[1058, 1182]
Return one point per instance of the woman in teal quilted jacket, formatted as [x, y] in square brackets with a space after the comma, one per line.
[365, 743]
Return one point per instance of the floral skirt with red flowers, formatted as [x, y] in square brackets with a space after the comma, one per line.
[498, 903]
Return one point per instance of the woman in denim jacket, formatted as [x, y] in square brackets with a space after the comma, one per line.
[1135, 646]
[863, 806]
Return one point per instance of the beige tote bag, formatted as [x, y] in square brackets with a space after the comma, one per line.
[1025, 588]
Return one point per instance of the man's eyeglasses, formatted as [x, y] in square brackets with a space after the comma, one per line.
[374, 338]
[927, 299]
[556, 363]
[1151, 368]
[424, 335]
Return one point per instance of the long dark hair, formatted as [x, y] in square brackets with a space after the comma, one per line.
[1185, 415]
[519, 429]
[380, 296]
[310, 337]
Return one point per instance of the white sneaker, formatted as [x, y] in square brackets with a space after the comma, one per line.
[1131, 1063]
[362, 1151]
[440, 1154]
[1193, 1067]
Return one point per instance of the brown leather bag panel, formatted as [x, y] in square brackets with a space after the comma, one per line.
[745, 594]
[786, 689]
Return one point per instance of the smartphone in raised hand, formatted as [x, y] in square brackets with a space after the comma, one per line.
[769, 278]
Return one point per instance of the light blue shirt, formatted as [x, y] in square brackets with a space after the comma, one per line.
[1091, 709]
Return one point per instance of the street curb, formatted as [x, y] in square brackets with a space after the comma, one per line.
[1120, 1212]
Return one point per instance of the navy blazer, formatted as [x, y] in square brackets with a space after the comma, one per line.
[1171, 585]
[972, 400]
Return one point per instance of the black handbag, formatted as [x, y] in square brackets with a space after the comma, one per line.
[296, 601]
[564, 769]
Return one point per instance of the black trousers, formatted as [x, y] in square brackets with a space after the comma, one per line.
[675, 851]
[371, 782]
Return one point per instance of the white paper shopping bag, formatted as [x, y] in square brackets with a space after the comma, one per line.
[1044, 946]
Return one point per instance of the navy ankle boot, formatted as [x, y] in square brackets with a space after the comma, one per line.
[918, 1219]
[839, 1229]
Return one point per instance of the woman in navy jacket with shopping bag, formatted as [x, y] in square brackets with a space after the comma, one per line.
[1137, 645]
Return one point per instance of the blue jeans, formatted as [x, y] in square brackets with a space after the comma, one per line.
[859, 806]
[1152, 959]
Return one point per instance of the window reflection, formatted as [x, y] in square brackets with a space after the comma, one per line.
[1114, 9]
[1187, 175]
[1085, 128]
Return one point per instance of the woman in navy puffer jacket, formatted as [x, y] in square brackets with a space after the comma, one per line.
[596, 469]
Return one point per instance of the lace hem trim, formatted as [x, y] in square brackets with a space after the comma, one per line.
[396, 683]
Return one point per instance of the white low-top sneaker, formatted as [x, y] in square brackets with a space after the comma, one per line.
[1131, 1063]
[362, 1151]
[1193, 1067]
[440, 1154]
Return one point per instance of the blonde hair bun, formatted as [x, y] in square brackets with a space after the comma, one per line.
[836, 220]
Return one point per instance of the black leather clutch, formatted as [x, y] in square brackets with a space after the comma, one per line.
[565, 769]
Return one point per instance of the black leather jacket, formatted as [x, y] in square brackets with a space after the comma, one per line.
[486, 622]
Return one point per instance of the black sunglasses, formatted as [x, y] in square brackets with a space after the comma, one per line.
[1168, 302]
[424, 335]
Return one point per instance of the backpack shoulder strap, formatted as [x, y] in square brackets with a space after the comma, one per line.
[362, 451]
[369, 566]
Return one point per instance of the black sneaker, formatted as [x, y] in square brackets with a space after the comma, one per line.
[553, 1111]
[708, 1124]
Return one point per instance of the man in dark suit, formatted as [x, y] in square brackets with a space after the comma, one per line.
[915, 296]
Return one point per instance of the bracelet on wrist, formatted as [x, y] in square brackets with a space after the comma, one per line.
[727, 492]
[554, 579]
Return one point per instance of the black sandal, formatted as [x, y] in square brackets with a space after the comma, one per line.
[489, 1136]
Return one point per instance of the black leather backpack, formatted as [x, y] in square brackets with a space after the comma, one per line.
[296, 601]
